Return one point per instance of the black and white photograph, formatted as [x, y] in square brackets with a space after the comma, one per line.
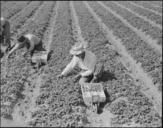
[81, 63]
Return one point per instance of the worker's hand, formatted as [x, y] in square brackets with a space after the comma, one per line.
[77, 77]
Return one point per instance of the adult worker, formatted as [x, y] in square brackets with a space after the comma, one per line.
[5, 33]
[29, 41]
[85, 59]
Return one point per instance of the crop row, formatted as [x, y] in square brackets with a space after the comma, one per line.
[138, 49]
[61, 97]
[19, 68]
[150, 15]
[24, 15]
[146, 38]
[39, 22]
[14, 9]
[144, 8]
[137, 22]
[116, 80]
[148, 5]
[37, 25]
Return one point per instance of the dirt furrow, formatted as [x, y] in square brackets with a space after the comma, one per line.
[30, 24]
[147, 16]
[23, 16]
[146, 38]
[32, 92]
[51, 28]
[116, 80]
[13, 10]
[37, 82]
[60, 102]
[140, 23]
[75, 24]
[138, 49]
[20, 69]
[144, 8]
[149, 5]
[152, 93]
[92, 117]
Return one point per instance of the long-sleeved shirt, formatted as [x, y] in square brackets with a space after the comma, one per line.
[88, 64]
[33, 40]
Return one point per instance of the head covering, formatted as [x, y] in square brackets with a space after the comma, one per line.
[77, 49]
[3, 21]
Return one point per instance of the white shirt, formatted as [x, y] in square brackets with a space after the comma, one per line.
[33, 40]
[87, 65]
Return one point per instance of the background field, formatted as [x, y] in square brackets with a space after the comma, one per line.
[126, 35]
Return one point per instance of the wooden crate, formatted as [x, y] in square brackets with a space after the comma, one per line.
[93, 93]
[40, 57]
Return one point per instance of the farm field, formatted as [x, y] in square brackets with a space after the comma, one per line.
[127, 36]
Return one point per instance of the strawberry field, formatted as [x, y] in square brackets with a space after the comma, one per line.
[132, 78]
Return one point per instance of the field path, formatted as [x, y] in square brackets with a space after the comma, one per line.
[103, 120]
[39, 77]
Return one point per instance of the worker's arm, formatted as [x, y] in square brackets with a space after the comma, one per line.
[86, 73]
[17, 46]
[32, 45]
[70, 66]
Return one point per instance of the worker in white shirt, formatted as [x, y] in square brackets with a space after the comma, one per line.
[5, 33]
[29, 41]
[85, 59]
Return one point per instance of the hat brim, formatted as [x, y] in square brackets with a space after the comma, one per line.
[73, 52]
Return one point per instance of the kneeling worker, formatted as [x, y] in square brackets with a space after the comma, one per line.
[5, 33]
[29, 41]
[85, 59]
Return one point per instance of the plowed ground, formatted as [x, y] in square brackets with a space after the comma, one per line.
[36, 97]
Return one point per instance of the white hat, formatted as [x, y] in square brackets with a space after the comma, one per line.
[2, 21]
[77, 49]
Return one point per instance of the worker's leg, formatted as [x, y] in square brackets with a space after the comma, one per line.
[86, 79]
[39, 47]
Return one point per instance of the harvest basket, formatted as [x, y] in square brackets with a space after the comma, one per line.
[40, 57]
[93, 93]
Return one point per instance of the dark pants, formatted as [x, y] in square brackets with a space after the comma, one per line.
[86, 79]
[38, 47]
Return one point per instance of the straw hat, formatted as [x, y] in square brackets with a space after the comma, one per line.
[77, 49]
